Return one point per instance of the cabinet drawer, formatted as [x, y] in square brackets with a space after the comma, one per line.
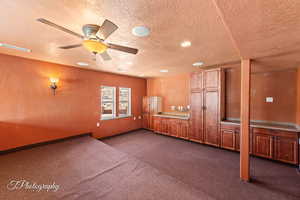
[289, 134]
[233, 127]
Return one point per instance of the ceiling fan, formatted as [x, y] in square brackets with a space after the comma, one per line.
[94, 37]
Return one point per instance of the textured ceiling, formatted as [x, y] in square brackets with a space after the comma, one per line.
[170, 23]
[267, 31]
[220, 31]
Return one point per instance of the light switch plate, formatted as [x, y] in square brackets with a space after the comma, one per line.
[269, 99]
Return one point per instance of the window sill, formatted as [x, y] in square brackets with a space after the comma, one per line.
[120, 117]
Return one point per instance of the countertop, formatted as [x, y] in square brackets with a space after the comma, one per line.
[184, 117]
[268, 125]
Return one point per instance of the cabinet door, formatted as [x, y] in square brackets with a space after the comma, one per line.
[146, 121]
[196, 132]
[184, 129]
[237, 141]
[151, 122]
[156, 124]
[211, 118]
[164, 126]
[173, 127]
[286, 150]
[263, 145]
[228, 139]
[196, 81]
[146, 104]
[212, 79]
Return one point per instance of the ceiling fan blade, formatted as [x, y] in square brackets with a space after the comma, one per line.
[71, 46]
[106, 29]
[105, 56]
[44, 21]
[123, 48]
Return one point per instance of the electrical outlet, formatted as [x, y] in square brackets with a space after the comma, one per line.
[98, 124]
[269, 99]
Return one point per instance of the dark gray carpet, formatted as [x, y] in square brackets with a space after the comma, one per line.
[212, 171]
[86, 169]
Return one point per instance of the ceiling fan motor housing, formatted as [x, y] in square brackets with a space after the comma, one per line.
[90, 30]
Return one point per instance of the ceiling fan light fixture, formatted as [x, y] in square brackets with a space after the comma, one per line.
[94, 46]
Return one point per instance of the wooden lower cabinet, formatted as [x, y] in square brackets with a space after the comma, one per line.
[172, 127]
[184, 129]
[267, 143]
[163, 128]
[276, 144]
[156, 124]
[263, 145]
[286, 149]
[228, 139]
[146, 120]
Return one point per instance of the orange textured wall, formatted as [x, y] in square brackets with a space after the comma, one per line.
[281, 85]
[174, 90]
[298, 99]
[29, 113]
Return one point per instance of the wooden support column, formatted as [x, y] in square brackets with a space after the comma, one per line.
[245, 120]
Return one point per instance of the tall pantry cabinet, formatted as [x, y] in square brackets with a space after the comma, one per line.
[206, 110]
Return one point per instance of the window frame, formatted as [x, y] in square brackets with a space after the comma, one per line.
[114, 114]
[129, 103]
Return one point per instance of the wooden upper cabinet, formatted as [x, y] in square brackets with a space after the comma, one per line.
[196, 81]
[211, 110]
[196, 112]
[212, 78]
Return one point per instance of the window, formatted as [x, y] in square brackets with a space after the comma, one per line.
[108, 102]
[109, 99]
[124, 102]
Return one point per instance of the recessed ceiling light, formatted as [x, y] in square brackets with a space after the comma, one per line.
[198, 64]
[164, 70]
[142, 75]
[82, 64]
[121, 70]
[186, 44]
[14, 47]
[140, 31]
[129, 63]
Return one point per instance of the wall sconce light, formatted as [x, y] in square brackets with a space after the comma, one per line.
[53, 85]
